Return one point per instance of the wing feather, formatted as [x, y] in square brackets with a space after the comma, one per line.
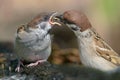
[104, 50]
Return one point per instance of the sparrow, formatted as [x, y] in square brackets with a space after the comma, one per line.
[33, 41]
[93, 50]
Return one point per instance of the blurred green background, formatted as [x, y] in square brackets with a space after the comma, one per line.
[103, 14]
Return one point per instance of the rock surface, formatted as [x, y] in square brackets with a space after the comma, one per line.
[47, 71]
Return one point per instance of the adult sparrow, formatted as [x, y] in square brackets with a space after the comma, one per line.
[94, 51]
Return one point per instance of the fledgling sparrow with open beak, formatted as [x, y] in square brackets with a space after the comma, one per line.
[94, 51]
[33, 41]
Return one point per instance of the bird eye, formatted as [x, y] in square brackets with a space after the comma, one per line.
[46, 18]
[68, 22]
[65, 21]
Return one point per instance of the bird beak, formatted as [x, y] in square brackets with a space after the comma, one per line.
[58, 20]
[53, 20]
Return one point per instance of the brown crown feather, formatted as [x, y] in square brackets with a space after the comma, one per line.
[36, 20]
[78, 18]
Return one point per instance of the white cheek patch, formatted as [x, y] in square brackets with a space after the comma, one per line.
[44, 25]
[48, 26]
[85, 34]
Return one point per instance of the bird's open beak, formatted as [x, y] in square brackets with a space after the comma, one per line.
[53, 20]
[58, 20]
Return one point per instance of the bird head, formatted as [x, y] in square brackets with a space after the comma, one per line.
[42, 21]
[41, 25]
[75, 20]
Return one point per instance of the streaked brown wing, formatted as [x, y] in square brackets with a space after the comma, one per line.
[105, 51]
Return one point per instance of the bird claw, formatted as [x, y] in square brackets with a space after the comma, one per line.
[32, 64]
[17, 69]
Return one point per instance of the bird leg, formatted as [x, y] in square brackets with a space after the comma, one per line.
[17, 69]
[36, 63]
